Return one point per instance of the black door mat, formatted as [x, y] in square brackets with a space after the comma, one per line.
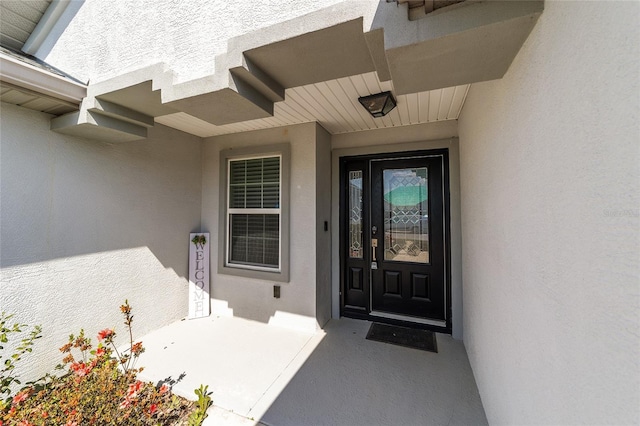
[423, 340]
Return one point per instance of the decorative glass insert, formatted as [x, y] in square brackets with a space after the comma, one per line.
[355, 214]
[254, 212]
[406, 215]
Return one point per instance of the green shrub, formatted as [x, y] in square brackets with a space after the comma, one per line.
[7, 374]
[202, 405]
[97, 387]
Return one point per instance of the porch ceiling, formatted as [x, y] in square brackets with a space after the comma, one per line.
[334, 104]
[319, 75]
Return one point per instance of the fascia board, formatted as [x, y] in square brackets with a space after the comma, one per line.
[24, 75]
[45, 26]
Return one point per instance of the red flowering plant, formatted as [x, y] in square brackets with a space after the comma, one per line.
[98, 387]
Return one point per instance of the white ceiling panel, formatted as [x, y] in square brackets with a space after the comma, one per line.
[334, 104]
[28, 99]
[18, 18]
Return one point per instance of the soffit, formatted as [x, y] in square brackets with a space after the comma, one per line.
[420, 8]
[139, 97]
[334, 104]
[27, 82]
[327, 54]
[479, 54]
[319, 76]
[18, 18]
[222, 107]
[26, 98]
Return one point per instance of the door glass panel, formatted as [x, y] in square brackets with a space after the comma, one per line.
[355, 214]
[406, 215]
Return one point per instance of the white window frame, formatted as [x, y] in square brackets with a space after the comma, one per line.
[281, 274]
[249, 211]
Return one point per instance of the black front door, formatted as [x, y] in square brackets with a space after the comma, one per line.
[394, 257]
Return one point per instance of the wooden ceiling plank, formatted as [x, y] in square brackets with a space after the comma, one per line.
[304, 114]
[318, 97]
[280, 110]
[302, 95]
[294, 112]
[445, 103]
[345, 101]
[403, 110]
[300, 99]
[275, 120]
[412, 103]
[423, 107]
[459, 101]
[344, 117]
[349, 88]
[434, 104]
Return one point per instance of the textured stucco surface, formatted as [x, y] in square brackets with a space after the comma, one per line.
[106, 38]
[253, 298]
[86, 225]
[551, 224]
[323, 236]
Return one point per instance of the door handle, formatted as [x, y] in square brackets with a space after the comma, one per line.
[374, 245]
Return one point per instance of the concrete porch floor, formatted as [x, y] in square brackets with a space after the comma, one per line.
[263, 374]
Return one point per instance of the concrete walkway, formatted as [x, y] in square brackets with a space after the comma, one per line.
[262, 374]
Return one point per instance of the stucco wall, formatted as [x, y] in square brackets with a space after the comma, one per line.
[551, 222]
[86, 225]
[323, 236]
[106, 38]
[253, 298]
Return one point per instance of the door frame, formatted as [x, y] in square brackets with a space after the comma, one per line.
[342, 234]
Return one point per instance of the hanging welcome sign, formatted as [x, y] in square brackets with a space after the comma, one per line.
[199, 275]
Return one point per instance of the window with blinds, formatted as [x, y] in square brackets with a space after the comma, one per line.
[253, 209]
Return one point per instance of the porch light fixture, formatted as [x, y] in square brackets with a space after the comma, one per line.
[379, 104]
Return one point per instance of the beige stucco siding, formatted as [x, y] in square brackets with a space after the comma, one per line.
[253, 298]
[86, 225]
[323, 214]
[102, 40]
[551, 224]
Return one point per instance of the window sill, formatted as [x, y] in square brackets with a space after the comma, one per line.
[258, 274]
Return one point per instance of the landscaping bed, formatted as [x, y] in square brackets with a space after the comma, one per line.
[92, 386]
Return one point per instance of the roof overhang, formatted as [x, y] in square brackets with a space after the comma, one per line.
[30, 84]
[317, 74]
[36, 79]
